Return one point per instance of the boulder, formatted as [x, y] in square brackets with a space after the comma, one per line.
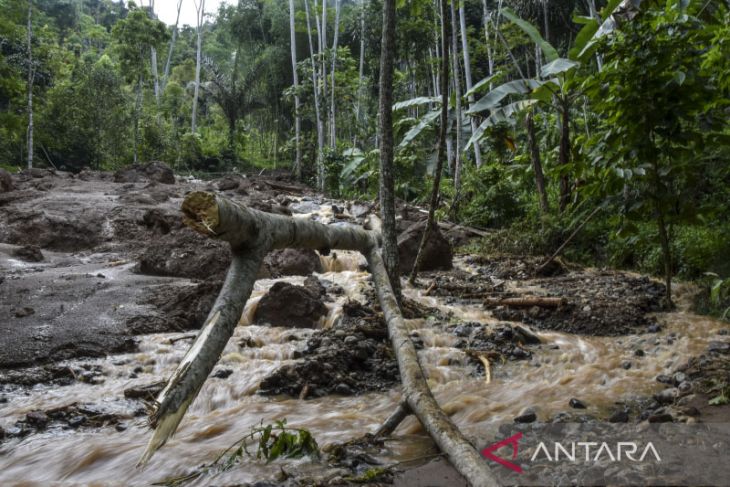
[437, 254]
[227, 183]
[152, 171]
[289, 305]
[29, 253]
[185, 253]
[293, 262]
[6, 181]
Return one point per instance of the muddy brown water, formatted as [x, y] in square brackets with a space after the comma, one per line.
[564, 366]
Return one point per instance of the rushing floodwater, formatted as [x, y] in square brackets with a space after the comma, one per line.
[226, 410]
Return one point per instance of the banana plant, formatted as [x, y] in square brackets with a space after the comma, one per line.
[555, 89]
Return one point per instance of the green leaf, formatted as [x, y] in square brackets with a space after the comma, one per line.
[582, 19]
[481, 84]
[720, 400]
[608, 25]
[585, 34]
[502, 114]
[550, 52]
[418, 128]
[558, 66]
[421, 100]
[494, 97]
[351, 167]
[679, 77]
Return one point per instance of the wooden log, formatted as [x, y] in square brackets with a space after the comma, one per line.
[448, 226]
[252, 234]
[462, 455]
[390, 424]
[525, 302]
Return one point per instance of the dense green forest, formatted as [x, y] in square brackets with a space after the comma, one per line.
[606, 116]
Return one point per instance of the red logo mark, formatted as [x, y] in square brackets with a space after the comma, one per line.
[512, 440]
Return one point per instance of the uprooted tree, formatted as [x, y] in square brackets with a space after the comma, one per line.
[252, 234]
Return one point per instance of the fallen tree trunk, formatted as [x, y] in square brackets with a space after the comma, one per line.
[525, 302]
[252, 234]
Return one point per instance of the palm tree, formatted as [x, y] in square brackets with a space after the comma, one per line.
[235, 92]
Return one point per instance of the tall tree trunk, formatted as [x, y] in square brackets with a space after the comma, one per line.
[434, 75]
[155, 75]
[468, 78]
[546, 25]
[323, 74]
[31, 79]
[361, 72]
[200, 9]
[153, 64]
[457, 105]
[297, 107]
[536, 164]
[232, 140]
[166, 74]
[324, 36]
[593, 12]
[663, 232]
[387, 176]
[333, 126]
[315, 82]
[488, 41]
[442, 138]
[137, 109]
[564, 156]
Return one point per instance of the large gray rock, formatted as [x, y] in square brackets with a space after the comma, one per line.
[6, 181]
[184, 253]
[289, 305]
[152, 171]
[437, 254]
[293, 262]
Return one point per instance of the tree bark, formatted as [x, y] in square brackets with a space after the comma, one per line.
[537, 164]
[468, 78]
[200, 9]
[252, 234]
[297, 107]
[31, 79]
[442, 138]
[387, 176]
[390, 424]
